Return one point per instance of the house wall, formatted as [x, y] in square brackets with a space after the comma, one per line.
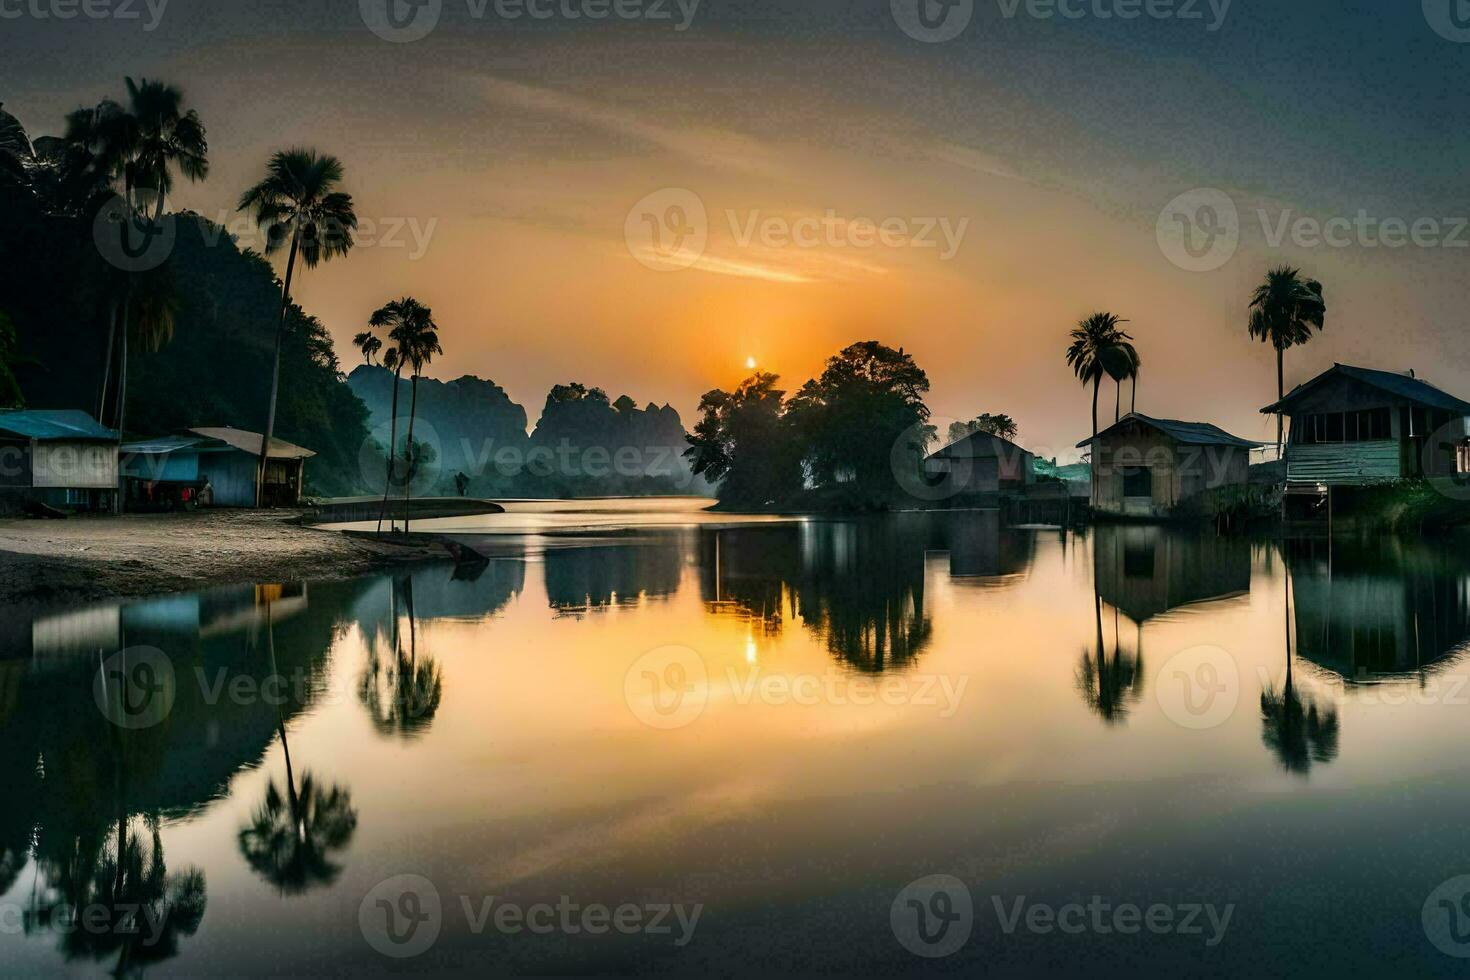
[972, 475]
[176, 467]
[15, 463]
[1345, 464]
[232, 476]
[74, 465]
[1181, 477]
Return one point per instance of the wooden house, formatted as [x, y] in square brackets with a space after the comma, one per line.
[1354, 427]
[212, 467]
[981, 463]
[1159, 468]
[60, 458]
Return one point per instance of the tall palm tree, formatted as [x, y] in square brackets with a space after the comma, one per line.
[1121, 362]
[420, 344]
[165, 138]
[1283, 311]
[300, 207]
[414, 335]
[143, 143]
[1092, 338]
[369, 344]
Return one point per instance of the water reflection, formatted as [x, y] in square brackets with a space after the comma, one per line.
[1110, 685]
[579, 580]
[290, 840]
[860, 586]
[400, 692]
[1372, 609]
[1146, 570]
[1293, 726]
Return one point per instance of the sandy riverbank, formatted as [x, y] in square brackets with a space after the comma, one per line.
[84, 559]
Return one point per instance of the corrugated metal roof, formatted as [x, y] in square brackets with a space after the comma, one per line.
[1188, 433]
[1398, 385]
[249, 442]
[977, 445]
[163, 444]
[54, 425]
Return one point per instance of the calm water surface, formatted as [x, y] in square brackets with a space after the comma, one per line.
[777, 728]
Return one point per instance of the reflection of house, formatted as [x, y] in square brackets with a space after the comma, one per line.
[173, 469]
[1147, 571]
[981, 551]
[1147, 467]
[58, 458]
[982, 463]
[1380, 608]
[1354, 426]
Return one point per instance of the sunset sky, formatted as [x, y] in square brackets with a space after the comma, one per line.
[512, 155]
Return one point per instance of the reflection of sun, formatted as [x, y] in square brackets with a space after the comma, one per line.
[750, 363]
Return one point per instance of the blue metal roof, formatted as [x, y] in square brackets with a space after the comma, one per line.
[1399, 385]
[54, 425]
[1188, 433]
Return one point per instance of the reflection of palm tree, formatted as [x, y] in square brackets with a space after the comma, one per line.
[1292, 726]
[148, 909]
[1109, 687]
[403, 698]
[290, 839]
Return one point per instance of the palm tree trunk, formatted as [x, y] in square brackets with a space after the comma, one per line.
[392, 451]
[122, 399]
[1133, 409]
[107, 362]
[1280, 394]
[409, 455]
[1096, 385]
[1117, 401]
[270, 415]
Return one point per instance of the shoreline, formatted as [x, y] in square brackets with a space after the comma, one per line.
[89, 559]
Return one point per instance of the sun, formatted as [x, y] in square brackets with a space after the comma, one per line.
[751, 364]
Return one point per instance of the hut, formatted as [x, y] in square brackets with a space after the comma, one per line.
[212, 467]
[59, 458]
[982, 463]
[1161, 468]
[1354, 427]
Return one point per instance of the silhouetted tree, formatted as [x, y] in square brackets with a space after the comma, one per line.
[996, 425]
[849, 421]
[1283, 312]
[744, 444]
[299, 206]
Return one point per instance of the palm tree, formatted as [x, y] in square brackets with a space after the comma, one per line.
[15, 150]
[1121, 362]
[413, 333]
[1092, 339]
[164, 138]
[298, 204]
[1293, 727]
[1283, 311]
[368, 344]
[420, 344]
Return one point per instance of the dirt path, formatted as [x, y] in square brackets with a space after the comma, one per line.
[84, 559]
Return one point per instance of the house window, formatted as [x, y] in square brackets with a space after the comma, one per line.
[1462, 458]
[1138, 481]
[1369, 425]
